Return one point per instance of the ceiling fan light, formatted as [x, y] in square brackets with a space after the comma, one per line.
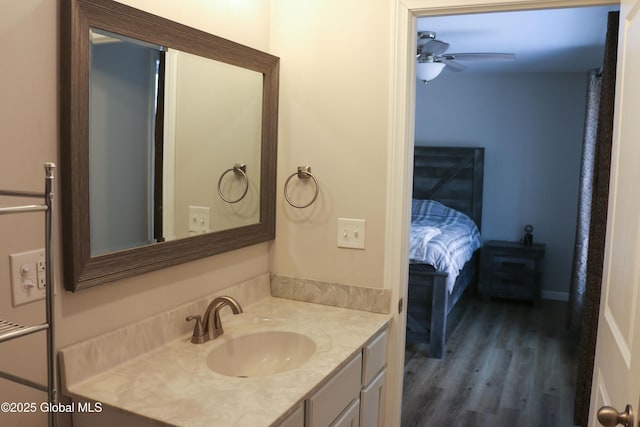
[427, 71]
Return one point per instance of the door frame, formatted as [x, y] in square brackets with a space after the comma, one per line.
[400, 156]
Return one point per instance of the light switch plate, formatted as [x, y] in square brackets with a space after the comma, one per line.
[199, 218]
[28, 276]
[351, 233]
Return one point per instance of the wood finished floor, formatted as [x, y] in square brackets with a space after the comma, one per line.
[506, 364]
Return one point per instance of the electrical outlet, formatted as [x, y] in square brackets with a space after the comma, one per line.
[199, 219]
[41, 272]
[28, 276]
[351, 233]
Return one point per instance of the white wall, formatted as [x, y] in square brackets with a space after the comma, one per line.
[531, 126]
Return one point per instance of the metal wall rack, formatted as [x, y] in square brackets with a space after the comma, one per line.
[11, 330]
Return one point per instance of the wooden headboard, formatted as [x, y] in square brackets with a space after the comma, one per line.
[452, 176]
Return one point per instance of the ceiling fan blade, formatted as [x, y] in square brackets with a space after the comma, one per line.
[480, 56]
[432, 46]
[452, 65]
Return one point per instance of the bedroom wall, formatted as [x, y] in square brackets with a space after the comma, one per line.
[531, 126]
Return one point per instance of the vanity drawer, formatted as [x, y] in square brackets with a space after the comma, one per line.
[335, 395]
[350, 417]
[375, 358]
[296, 419]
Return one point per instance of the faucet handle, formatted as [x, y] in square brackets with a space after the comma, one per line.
[198, 336]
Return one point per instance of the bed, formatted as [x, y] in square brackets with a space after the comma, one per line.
[445, 178]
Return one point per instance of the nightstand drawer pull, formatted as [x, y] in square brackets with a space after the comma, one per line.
[516, 265]
[511, 281]
[512, 275]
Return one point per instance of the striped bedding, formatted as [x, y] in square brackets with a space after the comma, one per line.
[442, 237]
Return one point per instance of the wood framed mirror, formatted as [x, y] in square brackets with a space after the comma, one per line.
[99, 193]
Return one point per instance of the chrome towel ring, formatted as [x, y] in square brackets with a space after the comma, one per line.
[239, 169]
[304, 172]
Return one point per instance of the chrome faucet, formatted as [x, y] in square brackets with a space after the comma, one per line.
[211, 327]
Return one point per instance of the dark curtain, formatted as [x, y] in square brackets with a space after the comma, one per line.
[597, 228]
[579, 271]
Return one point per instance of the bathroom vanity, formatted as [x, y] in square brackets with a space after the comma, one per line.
[352, 396]
[334, 375]
[349, 397]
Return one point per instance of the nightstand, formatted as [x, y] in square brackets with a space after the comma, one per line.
[511, 270]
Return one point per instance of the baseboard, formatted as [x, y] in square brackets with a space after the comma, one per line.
[555, 295]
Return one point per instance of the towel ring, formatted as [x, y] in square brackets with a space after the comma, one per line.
[239, 169]
[304, 172]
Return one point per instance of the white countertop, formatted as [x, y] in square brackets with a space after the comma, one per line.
[173, 385]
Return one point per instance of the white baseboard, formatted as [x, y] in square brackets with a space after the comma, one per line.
[556, 296]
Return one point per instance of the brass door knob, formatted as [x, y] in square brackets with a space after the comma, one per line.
[610, 417]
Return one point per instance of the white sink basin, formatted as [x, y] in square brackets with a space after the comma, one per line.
[261, 353]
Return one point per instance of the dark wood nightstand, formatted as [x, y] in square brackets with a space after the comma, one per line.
[511, 270]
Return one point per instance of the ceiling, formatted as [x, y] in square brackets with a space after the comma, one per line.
[552, 40]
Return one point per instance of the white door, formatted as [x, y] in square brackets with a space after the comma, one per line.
[616, 380]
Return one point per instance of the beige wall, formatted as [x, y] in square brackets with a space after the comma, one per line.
[29, 115]
[217, 124]
[334, 116]
[334, 101]
[28, 126]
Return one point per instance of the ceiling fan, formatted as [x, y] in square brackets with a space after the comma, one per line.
[432, 58]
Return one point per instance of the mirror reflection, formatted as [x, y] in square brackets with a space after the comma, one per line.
[149, 134]
[166, 128]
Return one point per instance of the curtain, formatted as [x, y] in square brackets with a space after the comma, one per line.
[579, 272]
[597, 228]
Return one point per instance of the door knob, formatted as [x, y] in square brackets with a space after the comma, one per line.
[610, 417]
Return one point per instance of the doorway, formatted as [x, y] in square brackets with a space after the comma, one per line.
[405, 115]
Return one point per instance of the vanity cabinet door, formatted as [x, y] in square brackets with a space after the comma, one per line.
[335, 395]
[371, 408]
[375, 358]
[350, 417]
[296, 419]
